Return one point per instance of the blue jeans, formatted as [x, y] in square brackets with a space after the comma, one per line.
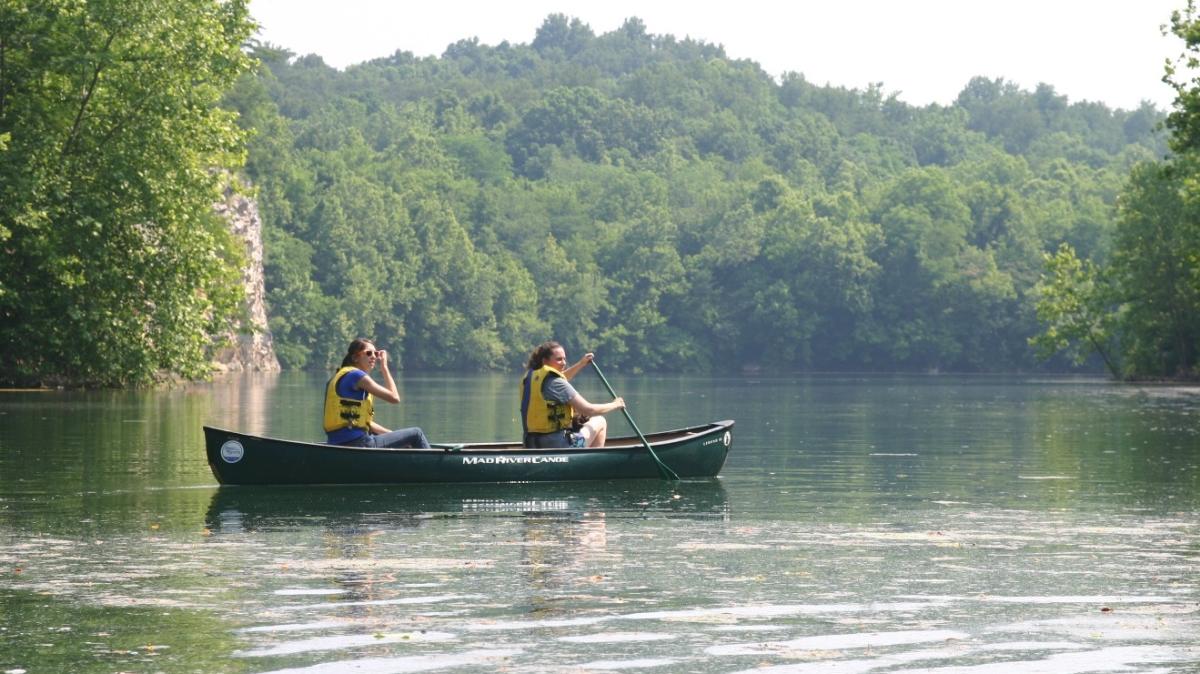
[404, 437]
[555, 440]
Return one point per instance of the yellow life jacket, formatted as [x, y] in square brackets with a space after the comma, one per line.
[346, 412]
[539, 415]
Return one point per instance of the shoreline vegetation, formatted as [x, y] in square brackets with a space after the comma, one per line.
[641, 195]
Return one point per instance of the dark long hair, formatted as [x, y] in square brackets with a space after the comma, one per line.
[356, 347]
[540, 353]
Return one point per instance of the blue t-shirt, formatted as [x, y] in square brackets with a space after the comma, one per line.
[346, 389]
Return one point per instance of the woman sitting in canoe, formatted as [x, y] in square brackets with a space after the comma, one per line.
[350, 402]
[550, 405]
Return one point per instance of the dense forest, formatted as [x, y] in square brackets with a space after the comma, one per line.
[666, 206]
[641, 196]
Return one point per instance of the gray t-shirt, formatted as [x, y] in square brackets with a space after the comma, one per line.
[558, 390]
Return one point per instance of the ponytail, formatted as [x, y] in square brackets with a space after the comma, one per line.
[540, 353]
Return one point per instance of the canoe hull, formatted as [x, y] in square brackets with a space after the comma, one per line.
[238, 458]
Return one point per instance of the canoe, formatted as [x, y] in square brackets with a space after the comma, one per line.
[238, 458]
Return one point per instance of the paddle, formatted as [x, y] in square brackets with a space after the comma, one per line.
[663, 469]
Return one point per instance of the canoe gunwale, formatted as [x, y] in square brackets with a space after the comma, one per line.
[659, 439]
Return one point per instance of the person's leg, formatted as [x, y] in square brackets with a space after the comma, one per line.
[595, 432]
[405, 437]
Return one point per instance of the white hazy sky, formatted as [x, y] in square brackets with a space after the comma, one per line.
[1110, 51]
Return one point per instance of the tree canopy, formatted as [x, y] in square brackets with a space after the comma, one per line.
[113, 268]
[637, 195]
[655, 201]
[1139, 307]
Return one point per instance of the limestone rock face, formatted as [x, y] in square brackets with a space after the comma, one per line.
[252, 348]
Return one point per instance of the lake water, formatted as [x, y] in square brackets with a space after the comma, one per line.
[861, 524]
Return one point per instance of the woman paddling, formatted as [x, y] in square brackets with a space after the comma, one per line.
[350, 402]
[549, 404]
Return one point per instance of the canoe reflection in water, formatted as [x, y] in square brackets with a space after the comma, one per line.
[241, 509]
[361, 554]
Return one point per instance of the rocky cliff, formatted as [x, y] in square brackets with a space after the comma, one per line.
[252, 348]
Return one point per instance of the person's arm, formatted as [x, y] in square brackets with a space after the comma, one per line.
[588, 409]
[388, 390]
[574, 369]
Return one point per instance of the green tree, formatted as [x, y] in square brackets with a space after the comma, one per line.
[1184, 120]
[1156, 263]
[1140, 310]
[1075, 304]
[115, 268]
[453, 318]
[637, 333]
[565, 36]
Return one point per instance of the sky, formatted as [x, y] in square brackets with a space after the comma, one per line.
[924, 51]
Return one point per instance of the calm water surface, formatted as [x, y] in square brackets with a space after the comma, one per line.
[874, 524]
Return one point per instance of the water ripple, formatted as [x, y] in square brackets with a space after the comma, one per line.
[341, 642]
[838, 641]
[412, 663]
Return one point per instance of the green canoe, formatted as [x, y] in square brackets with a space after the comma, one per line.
[237, 458]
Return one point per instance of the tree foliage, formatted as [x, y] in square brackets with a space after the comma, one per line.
[1076, 302]
[1139, 308]
[113, 268]
[666, 206]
